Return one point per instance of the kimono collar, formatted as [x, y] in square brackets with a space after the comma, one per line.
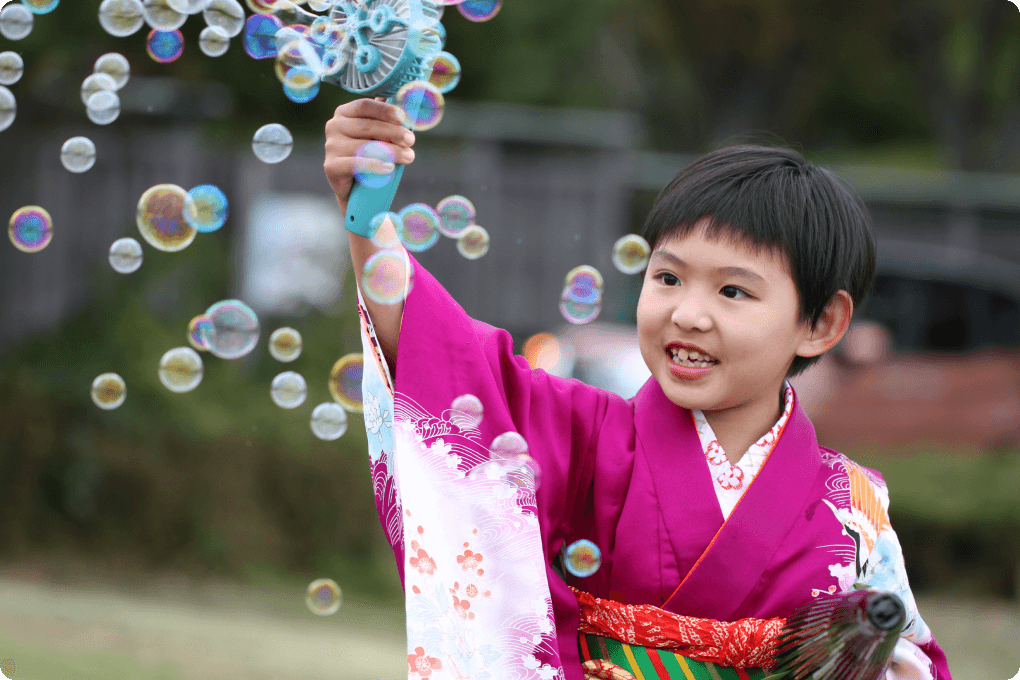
[721, 561]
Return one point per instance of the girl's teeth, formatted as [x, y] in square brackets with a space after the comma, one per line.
[693, 355]
[682, 354]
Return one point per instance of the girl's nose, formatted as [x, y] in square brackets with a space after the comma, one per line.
[691, 314]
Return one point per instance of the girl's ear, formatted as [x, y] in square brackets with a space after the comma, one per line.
[831, 326]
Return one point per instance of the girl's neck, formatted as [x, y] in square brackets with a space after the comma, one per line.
[738, 427]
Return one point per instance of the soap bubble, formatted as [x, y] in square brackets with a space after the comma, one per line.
[121, 18]
[78, 154]
[12, 67]
[456, 214]
[324, 597]
[320, 5]
[384, 277]
[288, 390]
[445, 71]
[582, 558]
[420, 227]
[30, 229]
[470, 407]
[345, 382]
[584, 283]
[272, 143]
[473, 243]
[16, 21]
[523, 472]
[329, 421]
[423, 103]
[207, 210]
[301, 85]
[480, 10]
[508, 445]
[8, 108]
[188, 6]
[116, 66]
[369, 173]
[97, 82]
[103, 107]
[108, 391]
[213, 41]
[235, 329]
[424, 40]
[160, 218]
[324, 32]
[261, 6]
[161, 16]
[260, 36]
[125, 255]
[199, 328]
[630, 254]
[385, 238]
[165, 46]
[227, 14]
[181, 369]
[285, 344]
[41, 6]
[579, 313]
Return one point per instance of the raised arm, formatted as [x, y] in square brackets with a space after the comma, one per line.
[353, 124]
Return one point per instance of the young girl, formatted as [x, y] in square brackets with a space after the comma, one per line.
[715, 510]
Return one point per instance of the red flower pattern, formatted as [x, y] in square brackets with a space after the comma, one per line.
[423, 563]
[732, 478]
[715, 454]
[469, 560]
[462, 607]
[422, 665]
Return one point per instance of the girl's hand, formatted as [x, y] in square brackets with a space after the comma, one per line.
[353, 124]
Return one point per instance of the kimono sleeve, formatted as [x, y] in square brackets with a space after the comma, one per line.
[917, 654]
[473, 537]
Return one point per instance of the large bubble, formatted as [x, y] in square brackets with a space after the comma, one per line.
[272, 143]
[445, 71]
[260, 36]
[631, 253]
[108, 391]
[423, 103]
[470, 408]
[114, 65]
[78, 154]
[345, 382]
[480, 10]
[329, 421]
[474, 242]
[160, 218]
[234, 331]
[125, 255]
[324, 597]
[8, 108]
[161, 16]
[188, 6]
[213, 41]
[384, 277]
[369, 160]
[30, 229]
[97, 82]
[121, 18]
[12, 66]
[456, 214]
[386, 228]
[181, 369]
[103, 107]
[208, 208]
[165, 46]
[16, 21]
[227, 14]
[288, 390]
[41, 6]
[285, 344]
[419, 227]
[582, 558]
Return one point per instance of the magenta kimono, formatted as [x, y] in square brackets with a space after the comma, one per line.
[474, 540]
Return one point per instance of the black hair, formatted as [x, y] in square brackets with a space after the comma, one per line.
[773, 199]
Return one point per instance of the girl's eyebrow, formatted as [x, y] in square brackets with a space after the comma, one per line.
[739, 272]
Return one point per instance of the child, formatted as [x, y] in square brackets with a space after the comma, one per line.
[707, 493]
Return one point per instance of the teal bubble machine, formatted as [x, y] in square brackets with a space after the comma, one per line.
[388, 44]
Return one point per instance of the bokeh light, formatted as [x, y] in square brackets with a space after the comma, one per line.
[543, 350]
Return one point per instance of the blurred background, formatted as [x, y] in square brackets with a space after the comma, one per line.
[174, 537]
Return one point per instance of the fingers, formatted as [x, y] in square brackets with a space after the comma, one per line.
[372, 108]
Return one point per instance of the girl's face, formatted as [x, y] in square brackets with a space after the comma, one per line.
[724, 300]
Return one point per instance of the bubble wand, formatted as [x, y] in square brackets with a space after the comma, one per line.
[386, 45]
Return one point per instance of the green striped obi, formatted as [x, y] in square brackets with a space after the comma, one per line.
[646, 663]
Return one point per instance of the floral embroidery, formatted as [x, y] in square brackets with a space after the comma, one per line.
[375, 417]
[732, 478]
[715, 454]
[423, 563]
[468, 560]
[422, 665]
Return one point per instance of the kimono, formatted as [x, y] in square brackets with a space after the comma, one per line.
[476, 539]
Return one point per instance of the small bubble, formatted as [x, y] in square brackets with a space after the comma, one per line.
[579, 313]
[345, 382]
[181, 369]
[160, 218]
[420, 227]
[207, 210]
[213, 41]
[227, 14]
[108, 391]
[103, 107]
[480, 10]
[114, 65]
[367, 161]
[30, 229]
[12, 66]
[198, 329]
[384, 277]
[121, 18]
[470, 406]
[630, 254]
[16, 21]
[473, 243]
[272, 143]
[585, 283]
[582, 558]
[41, 6]
[165, 46]
[285, 344]
[508, 445]
[324, 597]
[97, 82]
[188, 6]
[78, 154]
[456, 214]
[260, 36]
[423, 103]
[329, 421]
[445, 71]
[234, 331]
[125, 255]
[386, 227]
[288, 390]
[161, 16]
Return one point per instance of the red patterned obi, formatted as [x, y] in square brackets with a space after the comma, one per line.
[747, 643]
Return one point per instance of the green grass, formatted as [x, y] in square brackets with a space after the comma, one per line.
[58, 662]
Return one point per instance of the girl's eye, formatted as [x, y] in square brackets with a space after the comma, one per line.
[668, 278]
[733, 292]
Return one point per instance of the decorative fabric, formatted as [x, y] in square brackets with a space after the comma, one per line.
[747, 643]
[732, 479]
[610, 659]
